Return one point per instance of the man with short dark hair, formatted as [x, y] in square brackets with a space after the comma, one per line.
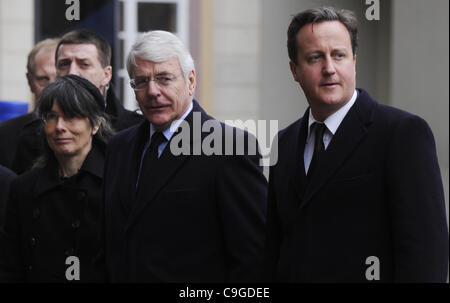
[20, 144]
[356, 195]
[86, 54]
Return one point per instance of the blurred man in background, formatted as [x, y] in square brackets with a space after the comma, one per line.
[88, 55]
[19, 139]
[6, 176]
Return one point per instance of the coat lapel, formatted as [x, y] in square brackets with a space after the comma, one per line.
[48, 178]
[347, 137]
[298, 179]
[296, 171]
[135, 144]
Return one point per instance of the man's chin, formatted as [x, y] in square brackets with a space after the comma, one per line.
[160, 123]
[331, 100]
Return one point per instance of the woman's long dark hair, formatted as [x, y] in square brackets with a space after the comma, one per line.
[76, 97]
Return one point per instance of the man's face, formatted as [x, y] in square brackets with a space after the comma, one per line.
[44, 71]
[326, 68]
[162, 103]
[82, 60]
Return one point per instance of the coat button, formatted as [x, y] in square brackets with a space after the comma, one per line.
[33, 241]
[76, 224]
[70, 252]
[36, 213]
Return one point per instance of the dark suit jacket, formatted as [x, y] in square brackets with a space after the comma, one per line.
[121, 118]
[22, 142]
[378, 192]
[24, 128]
[201, 221]
[6, 176]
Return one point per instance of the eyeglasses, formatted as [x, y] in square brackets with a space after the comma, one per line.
[163, 81]
[52, 118]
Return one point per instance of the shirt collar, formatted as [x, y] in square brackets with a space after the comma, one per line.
[332, 122]
[168, 133]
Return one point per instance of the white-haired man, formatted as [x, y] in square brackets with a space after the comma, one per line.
[178, 218]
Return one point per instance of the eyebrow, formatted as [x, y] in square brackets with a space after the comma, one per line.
[339, 49]
[156, 75]
[83, 59]
[164, 74]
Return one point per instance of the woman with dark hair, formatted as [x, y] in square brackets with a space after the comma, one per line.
[52, 223]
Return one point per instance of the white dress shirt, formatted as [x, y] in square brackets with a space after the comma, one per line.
[332, 124]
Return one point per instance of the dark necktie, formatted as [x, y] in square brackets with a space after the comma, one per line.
[155, 142]
[148, 169]
[319, 147]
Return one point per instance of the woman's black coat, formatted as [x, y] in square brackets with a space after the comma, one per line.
[49, 219]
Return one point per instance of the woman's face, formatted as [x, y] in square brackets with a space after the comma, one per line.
[68, 137]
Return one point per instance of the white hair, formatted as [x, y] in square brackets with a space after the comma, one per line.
[160, 46]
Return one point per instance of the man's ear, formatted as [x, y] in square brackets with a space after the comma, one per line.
[294, 72]
[30, 82]
[192, 82]
[106, 79]
[108, 75]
